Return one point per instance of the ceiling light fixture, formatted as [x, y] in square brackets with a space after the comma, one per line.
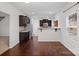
[33, 12]
[50, 12]
[27, 2]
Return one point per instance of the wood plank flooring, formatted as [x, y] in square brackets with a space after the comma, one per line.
[4, 44]
[35, 48]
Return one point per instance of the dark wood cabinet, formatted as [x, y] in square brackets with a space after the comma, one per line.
[41, 23]
[45, 21]
[22, 20]
[49, 23]
[24, 36]
[27, 20]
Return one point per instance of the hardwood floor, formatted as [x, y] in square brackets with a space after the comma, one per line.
[4, 44]
[35, 48]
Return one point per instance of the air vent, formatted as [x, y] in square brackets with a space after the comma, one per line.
[1, 18]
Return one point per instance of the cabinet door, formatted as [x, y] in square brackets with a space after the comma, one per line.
[49, 23]
[22, 20]
[27, 36]
[24, 36]
[27, 20]
[41, 23]
[21, 36]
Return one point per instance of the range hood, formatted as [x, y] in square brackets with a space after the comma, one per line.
[2, 17]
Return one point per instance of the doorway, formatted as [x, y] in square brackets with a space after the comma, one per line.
[4, 32]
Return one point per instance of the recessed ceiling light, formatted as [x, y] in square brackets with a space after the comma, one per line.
[27, 2]
[50, 12]
[33, 12]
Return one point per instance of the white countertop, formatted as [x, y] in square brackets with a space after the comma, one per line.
[26, 29]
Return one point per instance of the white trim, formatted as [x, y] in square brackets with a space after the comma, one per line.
[48, 41]
[14, 45]
[74, 52]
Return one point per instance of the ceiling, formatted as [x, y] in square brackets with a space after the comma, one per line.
[40, 8]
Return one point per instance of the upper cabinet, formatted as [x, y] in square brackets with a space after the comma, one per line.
[49, 23]
[23, 20]
[45, 23]
[55, 23]
[27, 20]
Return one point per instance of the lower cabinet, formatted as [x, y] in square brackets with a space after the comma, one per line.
[24, 36]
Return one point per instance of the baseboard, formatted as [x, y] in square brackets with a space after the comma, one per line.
[74, 52]
[48, 41]
[4, 51]
[13, 45]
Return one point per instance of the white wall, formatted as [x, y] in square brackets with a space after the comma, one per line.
[71, 42]
[45, 35]
[35, 25]
[13, 22]
[4, 26]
